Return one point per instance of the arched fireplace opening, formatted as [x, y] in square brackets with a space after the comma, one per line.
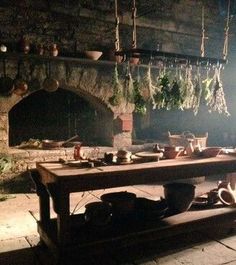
[57, 116]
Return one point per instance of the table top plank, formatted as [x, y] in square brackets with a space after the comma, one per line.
[80, 179]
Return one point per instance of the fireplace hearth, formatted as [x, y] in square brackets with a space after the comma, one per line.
[80, 105]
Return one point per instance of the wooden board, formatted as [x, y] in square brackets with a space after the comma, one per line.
[147, 154]
[82, 179]
[129, 232]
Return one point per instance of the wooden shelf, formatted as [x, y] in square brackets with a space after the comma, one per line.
[133, 231]
[153, 55]
[46, 58]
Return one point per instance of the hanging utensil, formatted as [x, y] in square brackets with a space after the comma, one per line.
[135, 58]
[50, 84]
[20, 85]
[6, 83]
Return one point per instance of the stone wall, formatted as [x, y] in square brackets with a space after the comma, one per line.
[84, 25]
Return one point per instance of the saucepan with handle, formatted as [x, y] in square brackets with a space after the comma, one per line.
[20, 85]
[50, 84]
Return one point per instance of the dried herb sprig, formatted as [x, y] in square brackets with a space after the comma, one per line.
[217, 100]
[116, 98]
[139, 101]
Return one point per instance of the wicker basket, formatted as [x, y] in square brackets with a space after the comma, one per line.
[182, 139]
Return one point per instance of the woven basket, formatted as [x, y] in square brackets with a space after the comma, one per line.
[182, 139]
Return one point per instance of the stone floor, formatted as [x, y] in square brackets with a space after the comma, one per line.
[19, 242]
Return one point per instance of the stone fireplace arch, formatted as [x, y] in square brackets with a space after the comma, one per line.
[89, 80]
[59, 116]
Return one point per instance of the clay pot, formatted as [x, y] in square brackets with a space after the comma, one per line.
[171, 154]
[115, 58]
[122, 203]
[21, 87]
[226, 197]
[24, 45]
[179, 196]
[93, 55]
[211, 151]
[135, 59]
[97, 213]
[40, 49]
[54, 50]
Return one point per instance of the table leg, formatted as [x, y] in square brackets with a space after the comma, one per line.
[63, 219]
[61, 205]
[44, 203]
[44, 208]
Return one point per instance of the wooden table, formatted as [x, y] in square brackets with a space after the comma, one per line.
[57, 181]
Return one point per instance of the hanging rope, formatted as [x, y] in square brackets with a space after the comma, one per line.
[203, 33]
[134, 14]
[226, 41]
[117, 40]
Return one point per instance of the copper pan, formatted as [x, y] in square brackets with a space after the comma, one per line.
[20, 85]
[50, 84]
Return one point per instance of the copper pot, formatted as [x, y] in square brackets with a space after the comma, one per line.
[50, 84]
[20, 85]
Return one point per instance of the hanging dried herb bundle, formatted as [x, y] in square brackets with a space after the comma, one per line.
[206, 87]
[129, 86]
[139, 101]
[187, 89]
[116, 98]
[176, 100]
[148, 84]
[162, 96]
[206, 91]
[217, 100]
[197, 92]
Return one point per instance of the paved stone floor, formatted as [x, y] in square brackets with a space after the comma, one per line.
[19, 241]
